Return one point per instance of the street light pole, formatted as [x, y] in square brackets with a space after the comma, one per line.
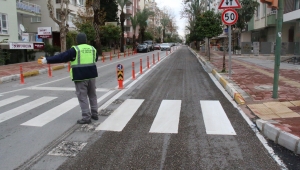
[278, 48]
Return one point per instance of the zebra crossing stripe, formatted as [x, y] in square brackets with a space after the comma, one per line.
[11, 100]
[215, 119]
[24, 108]
[63, 89]
[167, 118]
[52, 114]
[121, 116]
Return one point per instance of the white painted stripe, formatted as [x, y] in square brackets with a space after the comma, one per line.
[63, 89]
[11, 100]
[167, 118]
[215, 119]
[24, 108]
[121, 116]
[52, 114]
[104, 96]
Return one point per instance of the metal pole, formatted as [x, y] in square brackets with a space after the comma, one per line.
[229, 50]
[278, 48]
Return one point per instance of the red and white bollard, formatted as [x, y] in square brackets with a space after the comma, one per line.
[21, 75]
[153, 59]
[49, 71]
[148, 66]
[157, 56]
[69, 66]
[141, 67]
[133, 71]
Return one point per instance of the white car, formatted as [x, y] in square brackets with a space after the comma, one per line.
[165, 46]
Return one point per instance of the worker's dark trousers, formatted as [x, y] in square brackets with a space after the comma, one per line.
[87, 90]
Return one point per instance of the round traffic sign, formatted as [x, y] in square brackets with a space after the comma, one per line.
[229, 16]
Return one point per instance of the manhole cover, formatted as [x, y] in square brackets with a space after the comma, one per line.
[264, 87]
[105, 112]
[66, 148]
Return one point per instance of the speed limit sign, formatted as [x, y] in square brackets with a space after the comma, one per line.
[229, 16]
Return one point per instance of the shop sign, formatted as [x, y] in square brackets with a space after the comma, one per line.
[44, 32]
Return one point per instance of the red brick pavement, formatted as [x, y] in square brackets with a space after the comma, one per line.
[249, 76]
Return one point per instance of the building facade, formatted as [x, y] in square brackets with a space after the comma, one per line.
[262, 28]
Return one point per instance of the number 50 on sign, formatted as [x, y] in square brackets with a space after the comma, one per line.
[229, 16]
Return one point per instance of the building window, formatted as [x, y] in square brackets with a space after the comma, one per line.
[264, 9]
[258, 12]
[297, 4]
[3, 24]
[36, 19]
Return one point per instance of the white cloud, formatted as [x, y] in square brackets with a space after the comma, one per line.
[175, 7]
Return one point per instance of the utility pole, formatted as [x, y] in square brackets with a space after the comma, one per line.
[276, 4]
[278, 48]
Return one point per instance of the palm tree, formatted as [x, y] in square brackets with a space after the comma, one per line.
[142, 18]
[164, 22]
[122, 4]
[134, 24]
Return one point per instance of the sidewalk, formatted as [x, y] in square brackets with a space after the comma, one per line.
[252, 78]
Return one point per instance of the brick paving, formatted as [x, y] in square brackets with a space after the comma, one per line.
[256, 79]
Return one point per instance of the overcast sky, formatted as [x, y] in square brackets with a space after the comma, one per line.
[175, 7]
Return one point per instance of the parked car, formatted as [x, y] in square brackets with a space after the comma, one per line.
[157, 47]
[144, 47]
[165, 46]
[150, 44]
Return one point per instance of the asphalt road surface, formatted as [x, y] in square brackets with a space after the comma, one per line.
[172, 116]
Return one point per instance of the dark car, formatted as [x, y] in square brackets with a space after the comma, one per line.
[150, 43]
[156, 47]
[144, 47]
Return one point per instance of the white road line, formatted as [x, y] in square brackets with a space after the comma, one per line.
[52, 114]
[167, 118]
[121, 116]
[215, 119]
[63, 89]
[11, 100]
[24, 108]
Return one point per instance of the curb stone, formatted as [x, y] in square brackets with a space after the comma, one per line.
[30, 73]
[280, 137]
[227, 86]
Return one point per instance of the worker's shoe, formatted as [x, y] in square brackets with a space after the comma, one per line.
[81, 121]
[94, 117]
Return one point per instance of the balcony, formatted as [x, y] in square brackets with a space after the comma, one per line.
[128, 22]
[271, 18]
[28, 8]
[128, 10]
[129, 34]
[129, 2]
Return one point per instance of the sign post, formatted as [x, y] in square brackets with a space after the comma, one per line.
[229, 17]
[120, 75]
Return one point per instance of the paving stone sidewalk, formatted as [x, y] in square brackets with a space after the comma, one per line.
[253, 75]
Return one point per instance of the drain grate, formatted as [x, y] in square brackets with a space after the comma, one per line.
[88, 127]
[69, 149]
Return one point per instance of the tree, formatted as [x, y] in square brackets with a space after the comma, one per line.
[142, 18]
[122, 4]
[110, 8]
[148, 35]
[99, 18]
[89, 30]
[246, 13]
[134, 24]
[164, 22]
[63, 26]
[110, 33]
[158, 29]
[209, 24]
